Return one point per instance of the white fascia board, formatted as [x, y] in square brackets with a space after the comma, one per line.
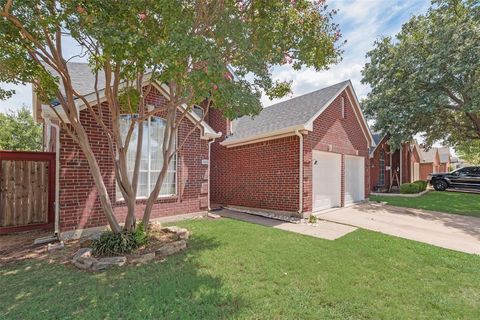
[48, 113]
[264, 136]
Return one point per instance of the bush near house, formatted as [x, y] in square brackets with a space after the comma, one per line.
[422, 183]
[414, 187]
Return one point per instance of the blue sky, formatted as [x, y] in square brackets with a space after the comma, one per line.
[361, 22]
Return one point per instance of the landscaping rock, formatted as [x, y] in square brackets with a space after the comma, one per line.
[85, 263]
[55, 246]
[83, 259]
[83, 253]
[85, 242]
[182, 233]
[144, 258]
[213, 215]
[171, 248]
[106, 263]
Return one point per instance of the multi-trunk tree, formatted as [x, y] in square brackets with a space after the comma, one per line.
[427, 79]
[187, 46]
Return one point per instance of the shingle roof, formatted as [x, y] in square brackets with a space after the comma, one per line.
[444, 153]
[83, 80]
[377, 137]
[290, 113]
[428, 156]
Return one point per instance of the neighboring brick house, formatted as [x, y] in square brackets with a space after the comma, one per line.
[445, 159]
[411, 162]
[185, 189]
[296, 157]
[390, 167]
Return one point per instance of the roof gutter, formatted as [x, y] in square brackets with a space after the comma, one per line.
[290, 131]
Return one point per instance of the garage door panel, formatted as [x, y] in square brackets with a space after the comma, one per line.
[354, 179]
[326, 180]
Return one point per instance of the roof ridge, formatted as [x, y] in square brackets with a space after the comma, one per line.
[306, 94]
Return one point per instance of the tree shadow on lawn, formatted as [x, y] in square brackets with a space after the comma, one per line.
[178, 288]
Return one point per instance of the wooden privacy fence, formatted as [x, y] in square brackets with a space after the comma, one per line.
[27, 190]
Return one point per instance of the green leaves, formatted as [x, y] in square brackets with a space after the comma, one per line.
[189, 43]
[426, 80]
[19, 131]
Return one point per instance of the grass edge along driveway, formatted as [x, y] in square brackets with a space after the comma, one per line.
[449, 202]
[234, 270]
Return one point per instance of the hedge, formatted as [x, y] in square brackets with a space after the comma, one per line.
[422, 183]
[410, 188]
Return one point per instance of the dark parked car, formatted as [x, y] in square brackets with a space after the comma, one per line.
[463, 178]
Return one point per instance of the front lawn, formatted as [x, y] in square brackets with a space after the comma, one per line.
[450, 202]
[239, 270]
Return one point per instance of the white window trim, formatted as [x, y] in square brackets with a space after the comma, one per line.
[160, 196]
[342, 101]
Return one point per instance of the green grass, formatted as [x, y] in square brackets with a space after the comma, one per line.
[238, 270]
[450, 202]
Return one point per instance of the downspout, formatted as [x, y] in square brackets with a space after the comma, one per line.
[57, 178]
[209, 166]
[300, 173]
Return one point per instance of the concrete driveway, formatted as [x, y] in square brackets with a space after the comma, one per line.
[456, 232]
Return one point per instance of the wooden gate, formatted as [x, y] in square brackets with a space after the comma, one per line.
[27, 190]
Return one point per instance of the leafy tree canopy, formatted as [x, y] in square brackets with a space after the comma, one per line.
[427, 79]
[469, 151]
[187, 45]
[189, 42]
[19, 131]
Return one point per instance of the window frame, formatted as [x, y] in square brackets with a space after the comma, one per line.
[381, 168]
[342, 103]
[119, 196]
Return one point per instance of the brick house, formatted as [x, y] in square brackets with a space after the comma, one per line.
[390, 166]
[445, 159]
[278, 160]
[411, 162]
[185, 190]
[296, 157]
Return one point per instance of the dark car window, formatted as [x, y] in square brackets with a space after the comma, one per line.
[469, 171]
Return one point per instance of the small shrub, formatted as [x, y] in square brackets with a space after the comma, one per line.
[312, 219]
[110, 244]
[410, 188]
[422, 183]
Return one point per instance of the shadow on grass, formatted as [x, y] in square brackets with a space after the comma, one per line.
[178, 288]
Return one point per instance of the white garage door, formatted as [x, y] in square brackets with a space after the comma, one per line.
[326, 180]
[354, 179]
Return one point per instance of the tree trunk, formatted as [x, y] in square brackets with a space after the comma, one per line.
[98, 179]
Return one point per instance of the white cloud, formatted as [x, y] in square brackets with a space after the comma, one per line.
[361, 23]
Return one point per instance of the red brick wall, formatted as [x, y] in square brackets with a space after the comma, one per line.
[342, 135]
[79, 205]
[425, 170]
[262, 175]
[265, 174]
[375, 165]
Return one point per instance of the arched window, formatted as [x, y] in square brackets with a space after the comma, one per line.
[151, 158]
[381, 168]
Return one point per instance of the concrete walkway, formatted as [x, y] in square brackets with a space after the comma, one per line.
[456, 232]
[323, 229]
